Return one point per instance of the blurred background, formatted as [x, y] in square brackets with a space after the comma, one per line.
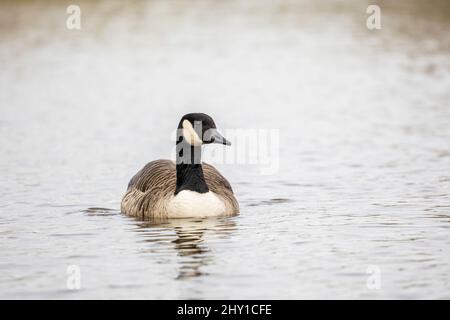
[364, 157]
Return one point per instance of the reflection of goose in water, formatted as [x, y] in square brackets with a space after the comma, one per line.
[190, 243]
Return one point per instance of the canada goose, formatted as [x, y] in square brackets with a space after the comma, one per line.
[187, 188]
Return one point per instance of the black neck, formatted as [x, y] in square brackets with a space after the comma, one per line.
[189, 169]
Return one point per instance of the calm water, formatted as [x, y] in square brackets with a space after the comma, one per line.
[364, 152]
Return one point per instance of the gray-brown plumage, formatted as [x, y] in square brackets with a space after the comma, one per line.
[152, 188]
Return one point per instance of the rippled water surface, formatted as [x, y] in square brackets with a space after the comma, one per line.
[364, 154]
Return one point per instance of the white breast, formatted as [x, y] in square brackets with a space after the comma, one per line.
[193, 204]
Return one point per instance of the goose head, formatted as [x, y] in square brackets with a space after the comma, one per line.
[198, 129]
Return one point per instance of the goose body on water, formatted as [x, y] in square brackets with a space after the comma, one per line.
[184, 188]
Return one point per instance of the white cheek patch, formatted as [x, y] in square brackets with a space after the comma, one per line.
[190, 135]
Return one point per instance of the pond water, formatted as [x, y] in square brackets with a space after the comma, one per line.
[358, 205]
